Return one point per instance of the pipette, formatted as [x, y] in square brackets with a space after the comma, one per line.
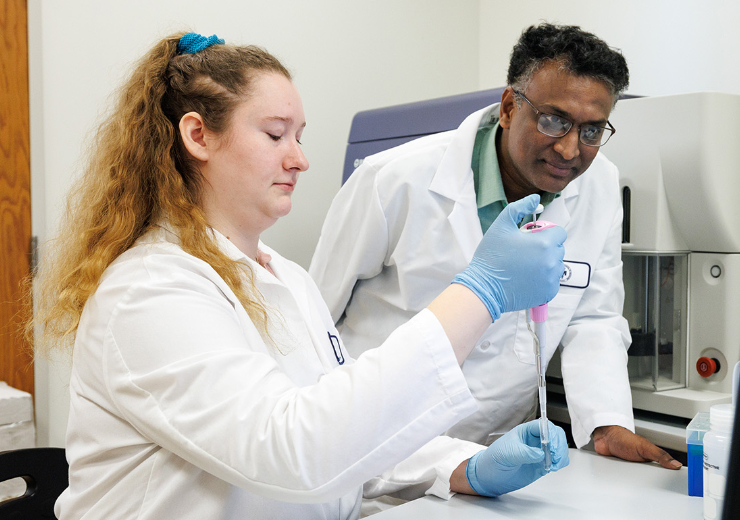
[539, 316]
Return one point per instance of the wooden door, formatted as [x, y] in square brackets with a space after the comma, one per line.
[16, 366]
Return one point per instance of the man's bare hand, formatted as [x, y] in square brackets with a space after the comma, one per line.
[622, 443]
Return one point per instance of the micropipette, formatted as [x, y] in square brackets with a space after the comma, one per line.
[539, 316]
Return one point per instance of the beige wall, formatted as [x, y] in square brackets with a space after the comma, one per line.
[671, 46]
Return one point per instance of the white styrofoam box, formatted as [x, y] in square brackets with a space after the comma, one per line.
[17, 436]
[16, 432]
[16, 419]
[15, 405]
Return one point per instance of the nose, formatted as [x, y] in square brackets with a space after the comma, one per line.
[568, 146]
[296, 159]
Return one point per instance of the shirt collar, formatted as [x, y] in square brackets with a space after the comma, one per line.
[489, 187]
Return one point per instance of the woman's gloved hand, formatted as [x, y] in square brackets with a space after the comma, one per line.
[511, 270]
[515, 460]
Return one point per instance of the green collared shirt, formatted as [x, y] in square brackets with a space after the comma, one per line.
[489, 189]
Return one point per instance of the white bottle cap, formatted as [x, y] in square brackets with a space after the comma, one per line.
[721, 417]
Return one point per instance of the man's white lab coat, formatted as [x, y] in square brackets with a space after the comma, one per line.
[406, 223]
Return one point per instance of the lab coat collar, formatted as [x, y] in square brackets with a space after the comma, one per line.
[228, 247]
[261, 274]
[230, 250]
[454, 180]
[455, 172]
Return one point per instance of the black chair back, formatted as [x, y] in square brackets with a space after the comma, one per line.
[46, 473]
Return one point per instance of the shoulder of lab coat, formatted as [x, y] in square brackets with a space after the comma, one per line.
[370, 208]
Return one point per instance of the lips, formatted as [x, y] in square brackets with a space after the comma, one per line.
[560, 170]
[287, 186]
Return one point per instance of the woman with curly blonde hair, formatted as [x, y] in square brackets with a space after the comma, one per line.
[208, 380]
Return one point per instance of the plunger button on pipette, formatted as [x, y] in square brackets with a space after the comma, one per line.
[707, 366]
[537, 225]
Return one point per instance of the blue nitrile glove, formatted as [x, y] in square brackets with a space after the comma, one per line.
[511, 270]
[515, 460]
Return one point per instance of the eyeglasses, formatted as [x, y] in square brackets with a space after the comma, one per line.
[556, 126]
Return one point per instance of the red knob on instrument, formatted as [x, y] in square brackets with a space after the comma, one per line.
[707, 366]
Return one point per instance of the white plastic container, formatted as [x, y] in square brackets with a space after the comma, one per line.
[16, 419]
[16, 432]
[717, 443]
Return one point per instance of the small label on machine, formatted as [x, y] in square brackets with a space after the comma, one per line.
[576, 274]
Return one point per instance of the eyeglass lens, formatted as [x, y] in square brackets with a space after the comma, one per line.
[556, 126]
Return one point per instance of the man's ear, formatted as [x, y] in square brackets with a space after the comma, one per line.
[508, 105]
[192, 131]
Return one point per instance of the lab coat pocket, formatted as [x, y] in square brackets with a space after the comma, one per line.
[560, 312]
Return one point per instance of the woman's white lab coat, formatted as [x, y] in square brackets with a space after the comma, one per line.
[180, 409]
[406, 223]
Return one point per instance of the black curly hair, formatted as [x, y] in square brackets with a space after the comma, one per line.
[579, 52]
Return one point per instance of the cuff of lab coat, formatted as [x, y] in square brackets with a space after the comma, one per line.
[582, 431]
[444, 469]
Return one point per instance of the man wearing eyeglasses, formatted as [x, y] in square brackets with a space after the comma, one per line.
[409, 218]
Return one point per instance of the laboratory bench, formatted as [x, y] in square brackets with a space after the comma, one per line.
[591, 487]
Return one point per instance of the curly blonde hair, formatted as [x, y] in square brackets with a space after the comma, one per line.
[138, 171]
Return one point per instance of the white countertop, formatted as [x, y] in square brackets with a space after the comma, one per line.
[591, 487]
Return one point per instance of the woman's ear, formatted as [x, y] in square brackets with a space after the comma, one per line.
[506, 111]
[192, 131]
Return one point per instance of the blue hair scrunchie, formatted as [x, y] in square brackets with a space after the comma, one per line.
[194, 42]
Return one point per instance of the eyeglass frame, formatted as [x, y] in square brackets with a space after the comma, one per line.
[540, 113]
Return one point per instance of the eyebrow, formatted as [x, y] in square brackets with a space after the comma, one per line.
[283, 119]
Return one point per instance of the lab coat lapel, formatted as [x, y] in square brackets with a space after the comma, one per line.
[454, 180]
[285, 296]
[557, 211]
[296, 286]
[288, 278]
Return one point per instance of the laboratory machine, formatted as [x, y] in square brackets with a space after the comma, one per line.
[678, 158]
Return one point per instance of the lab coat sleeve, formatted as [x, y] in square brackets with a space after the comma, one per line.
[181, 369]
[353, 242]
[594, 354]
[427, 471]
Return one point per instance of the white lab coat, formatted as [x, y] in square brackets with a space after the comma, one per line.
[179, 409]
[406, 222]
